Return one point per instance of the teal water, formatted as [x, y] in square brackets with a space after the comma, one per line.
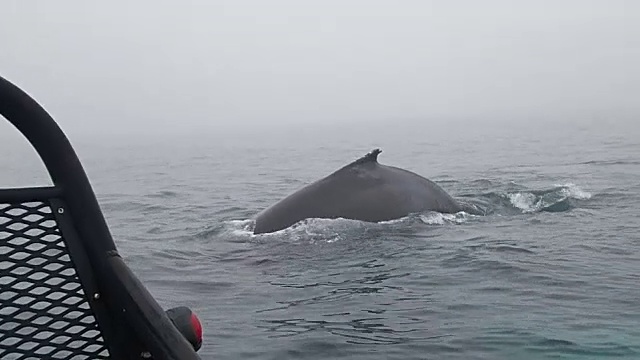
[551, 272]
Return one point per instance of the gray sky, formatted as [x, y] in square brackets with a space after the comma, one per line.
[99, 66]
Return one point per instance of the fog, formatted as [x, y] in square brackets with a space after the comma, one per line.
[165, 66]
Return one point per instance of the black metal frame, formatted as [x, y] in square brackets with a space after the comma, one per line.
[130, 319]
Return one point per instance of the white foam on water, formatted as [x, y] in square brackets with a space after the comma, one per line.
[331, 230]
[239, 227]
[394, 221]
[526, 202]
[314, 229]
[436, 218]
[574, 191]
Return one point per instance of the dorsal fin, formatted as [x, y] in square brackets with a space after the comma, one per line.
[372, 156]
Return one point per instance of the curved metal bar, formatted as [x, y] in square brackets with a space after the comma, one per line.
[60, 159]
[151, 324]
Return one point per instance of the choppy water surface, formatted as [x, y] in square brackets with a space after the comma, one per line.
[551, 272]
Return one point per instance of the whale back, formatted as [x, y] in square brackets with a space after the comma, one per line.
[362, 190]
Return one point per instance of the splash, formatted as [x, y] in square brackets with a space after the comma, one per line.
[571, 190]
[436, 218]
[240, 227]
[313, 230]
[527, 202]
[560, 198]
[234, 228]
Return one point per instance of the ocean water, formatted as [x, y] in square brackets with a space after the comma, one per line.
[551, 272]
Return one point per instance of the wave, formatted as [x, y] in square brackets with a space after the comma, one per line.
[332, 230]
[515, 200]
[559, 198]
[238, 228]
[611, 162]
[436, 218]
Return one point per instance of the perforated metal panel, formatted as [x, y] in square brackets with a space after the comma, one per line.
[44, 313]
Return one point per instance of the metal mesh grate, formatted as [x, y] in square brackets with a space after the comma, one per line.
[44, 313]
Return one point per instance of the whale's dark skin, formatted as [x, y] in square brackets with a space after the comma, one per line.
[363, 190]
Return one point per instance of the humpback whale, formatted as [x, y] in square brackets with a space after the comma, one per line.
[363, 190]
